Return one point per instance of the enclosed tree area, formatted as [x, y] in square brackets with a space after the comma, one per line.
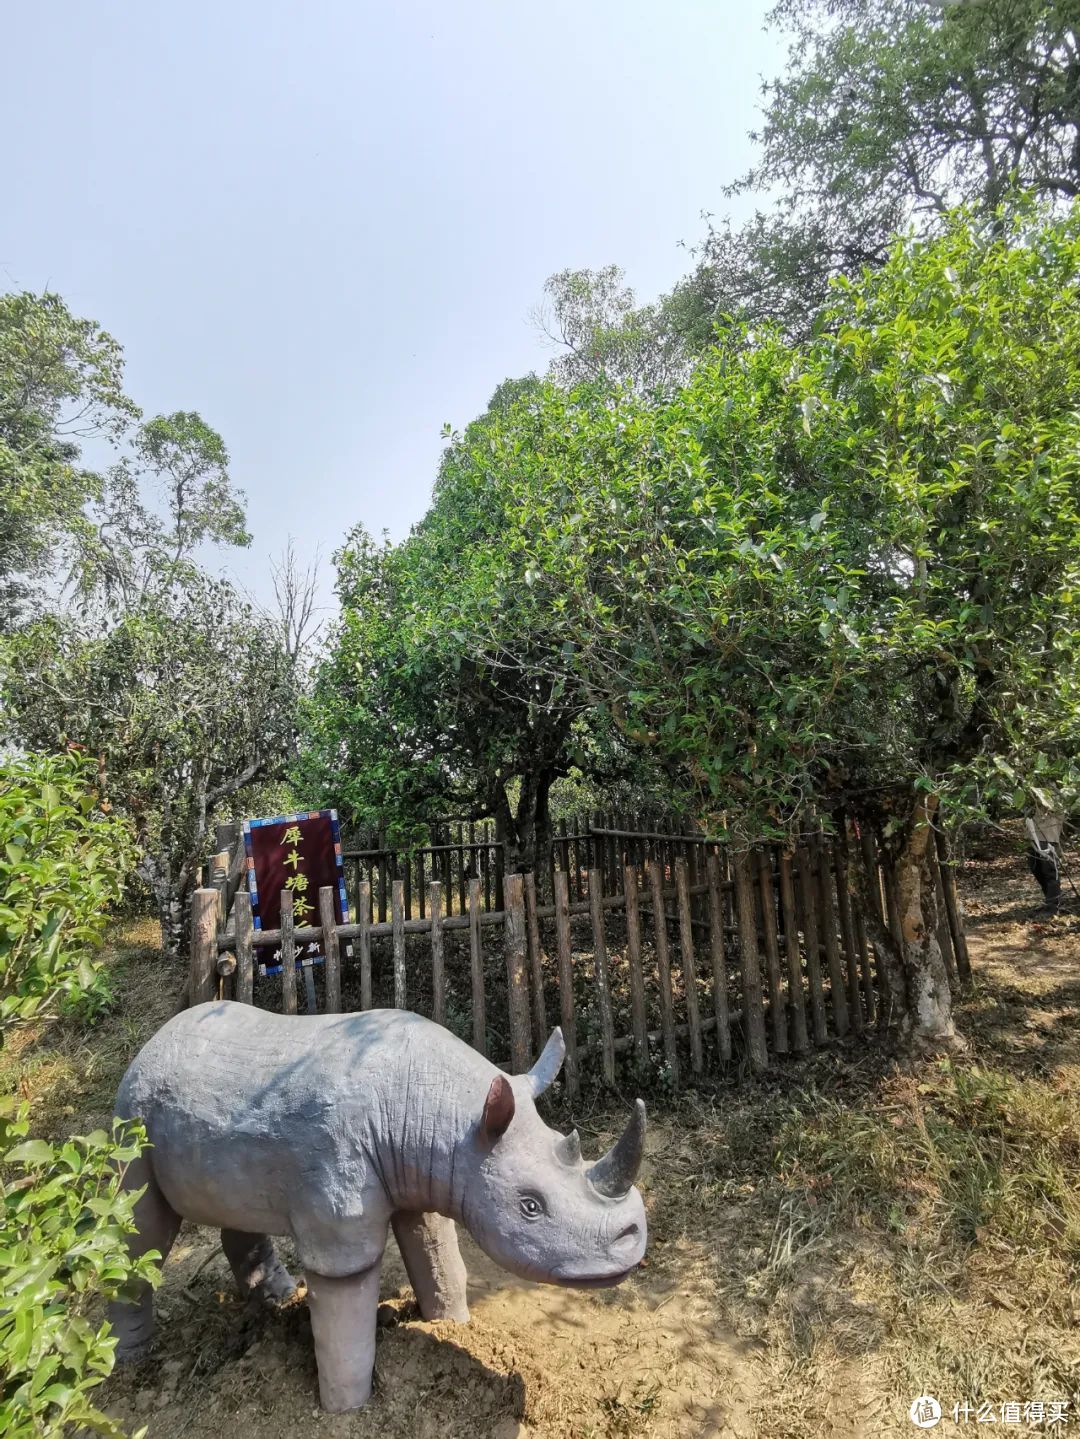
[835, 576]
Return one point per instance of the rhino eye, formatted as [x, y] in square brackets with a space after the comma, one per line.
[532, 1206]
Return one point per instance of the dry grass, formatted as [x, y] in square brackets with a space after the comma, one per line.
[69, 1069]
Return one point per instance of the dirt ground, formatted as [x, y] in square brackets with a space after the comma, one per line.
[818, 1254]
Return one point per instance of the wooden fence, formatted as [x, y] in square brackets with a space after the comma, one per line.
[689, 956]
[461, 851]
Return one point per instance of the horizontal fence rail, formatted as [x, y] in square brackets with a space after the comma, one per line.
[665, 952]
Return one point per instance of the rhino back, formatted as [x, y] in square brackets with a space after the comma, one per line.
[253, 1114]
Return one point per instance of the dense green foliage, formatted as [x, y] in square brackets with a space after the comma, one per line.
[823, 573]
[62, 1248]
[888, 114]
[405, 726]
[64, 1217]
[844, 573]
[181, 692]
[185, 700]
[63, 863]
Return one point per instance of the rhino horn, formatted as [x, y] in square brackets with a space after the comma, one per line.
[568, 1149]
[543, 1072]
[613, 1175]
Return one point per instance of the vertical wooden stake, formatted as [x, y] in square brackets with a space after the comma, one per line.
[716, 954]
[363, 942]
[827, 916]
[536, 966]
[808, 895]
[567, 1011]
[663, 966]
[245, 950]
[841, 863]
[331, 950]
[516, 977]
[796, 1000]
[476, 968]
[202, 973]
[397, 915]
[288, 953]
[772, 949]
[603, 980]
[752, 1002]
[438, 968]
[689, 966]
[637, 977]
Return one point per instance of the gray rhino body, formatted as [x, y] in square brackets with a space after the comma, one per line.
[333, 1128]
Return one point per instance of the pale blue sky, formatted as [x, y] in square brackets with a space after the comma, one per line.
[323, 225]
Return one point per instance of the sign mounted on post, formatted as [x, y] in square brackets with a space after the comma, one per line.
[299, 852]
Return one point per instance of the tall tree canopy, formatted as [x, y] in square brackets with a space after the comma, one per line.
[842, 573]
[405, 726]
[179, 692]
[891, 112]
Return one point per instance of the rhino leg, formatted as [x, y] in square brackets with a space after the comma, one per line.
[429, 1247]
[343, 1324]
[156, 1227]
[259, 1273]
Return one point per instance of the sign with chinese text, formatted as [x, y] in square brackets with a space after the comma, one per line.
[298, 852]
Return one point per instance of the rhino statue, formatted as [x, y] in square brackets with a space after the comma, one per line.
[333, 1128]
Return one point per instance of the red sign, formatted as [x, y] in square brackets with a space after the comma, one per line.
[297, 852]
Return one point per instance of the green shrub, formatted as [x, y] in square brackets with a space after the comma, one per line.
[64, 1212]
[62, 1248]
[62, 865]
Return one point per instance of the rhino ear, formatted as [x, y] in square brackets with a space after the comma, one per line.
[498, 1109]
[542, 1075]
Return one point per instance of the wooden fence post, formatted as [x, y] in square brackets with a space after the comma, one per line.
[663, 966]
[438, 967]
[288, 954]
[808, 895]
[841, 866]
[397, 912]
[536, 966]
[363, 942]
[777, 1014]
[202, 972]
[686, 942]
[516, 977]
[638, 1017]
[219, 880]
[719, 961]
[750, 964]
[330, 947]
[476, 969]
[245, 950]
[567, 1010]
[603, 982]
[837, 982]
[796, 999]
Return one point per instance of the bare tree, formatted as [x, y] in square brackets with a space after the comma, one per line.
[295, 594]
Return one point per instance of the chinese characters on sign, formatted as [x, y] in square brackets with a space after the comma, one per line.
[300, 853]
